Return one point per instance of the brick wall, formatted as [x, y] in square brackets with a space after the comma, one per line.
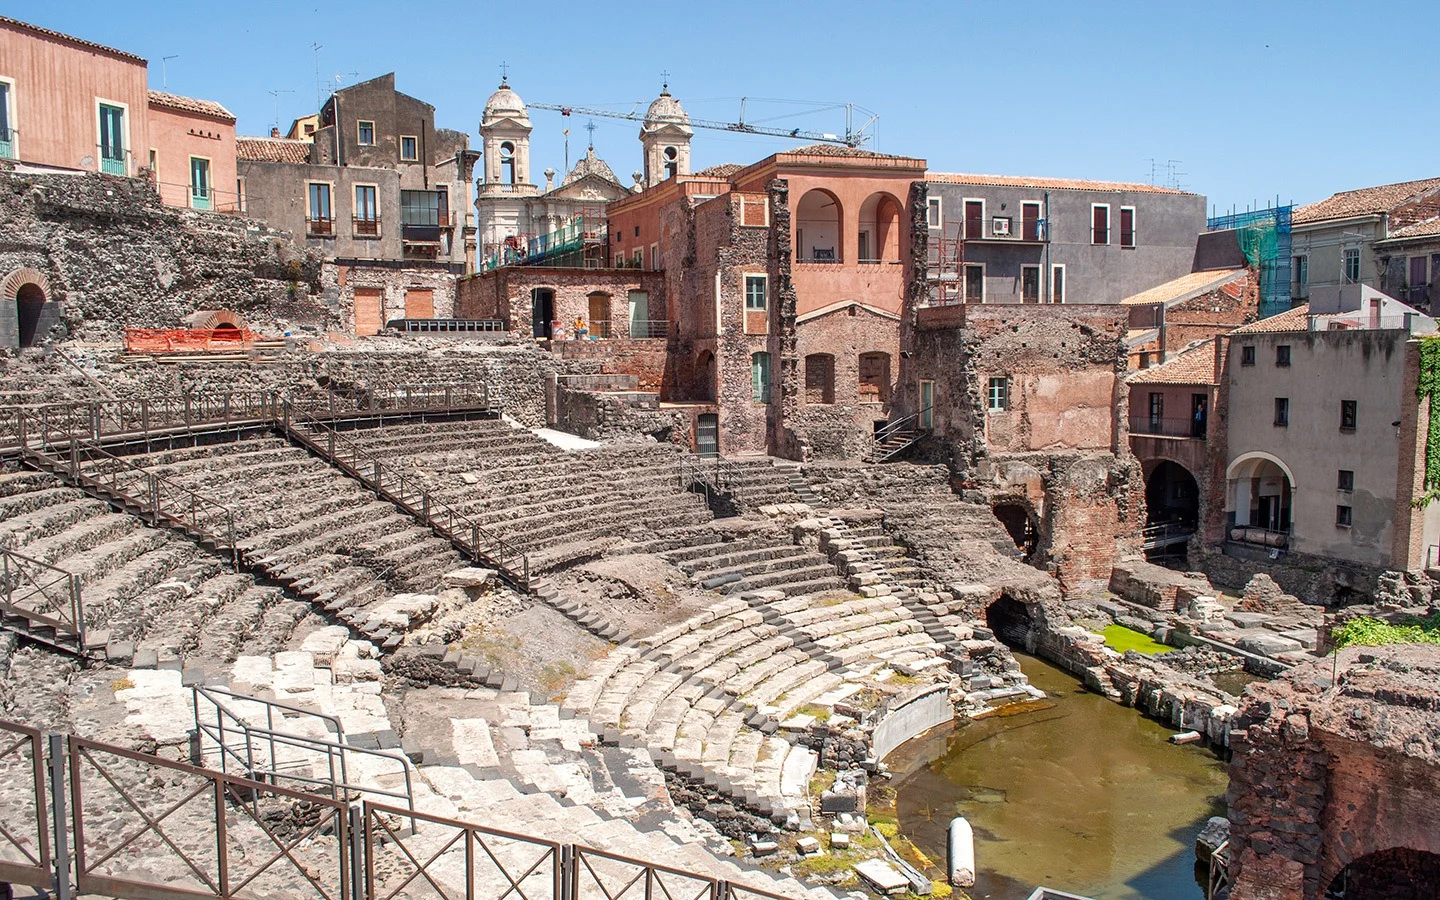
[644, 359]
[505, 294]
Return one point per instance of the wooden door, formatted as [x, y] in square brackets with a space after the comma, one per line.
[419, 303]
[367, 310]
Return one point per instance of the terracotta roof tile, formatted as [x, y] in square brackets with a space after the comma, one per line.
[1424, 228]
[279, 150]
[190, 104]
[1297, 319]
[70, 38]
[838, 150]
[1072, 184]
[1195, 365]
[1363, 201]
[724, 170]
[1192, 284]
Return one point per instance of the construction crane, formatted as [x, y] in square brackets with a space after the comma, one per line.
[853, 137]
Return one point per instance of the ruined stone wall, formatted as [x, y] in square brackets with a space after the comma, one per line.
[840, 428]
[117, 257]
[506, 294]
[644, 359]
[338, 284]
[612, 407]
[1327, 772]
[1211, 313]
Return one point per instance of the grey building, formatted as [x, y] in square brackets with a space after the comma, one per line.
[998, 239]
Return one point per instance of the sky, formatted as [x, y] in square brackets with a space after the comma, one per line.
[1254, 101]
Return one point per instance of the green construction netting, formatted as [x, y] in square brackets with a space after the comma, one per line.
[1259, 242]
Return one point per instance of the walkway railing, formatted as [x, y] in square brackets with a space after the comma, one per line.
[408, 491]
[148, 827]
[715, 474]
[1171, 427]
[891, 439]
[1165, 534]
[102, 420]
[44, 595]
[1219, 879]
[274, 756]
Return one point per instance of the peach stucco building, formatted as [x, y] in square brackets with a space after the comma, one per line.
[73, 104]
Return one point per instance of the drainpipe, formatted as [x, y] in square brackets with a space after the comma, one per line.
[1049, 274]
[339, 157]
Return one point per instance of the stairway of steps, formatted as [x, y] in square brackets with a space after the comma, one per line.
[765, 481]
[754, 560]
[554, 504]
[306, 525]
[495, 758]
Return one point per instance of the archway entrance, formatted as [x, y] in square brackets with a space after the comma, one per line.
[542, 311]
[1010, 621]
[1172, 496]
[30, 301]
[1258, 497]
[1020, 524]
[1396, 874]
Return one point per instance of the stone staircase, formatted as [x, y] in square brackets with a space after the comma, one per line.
[749, 557]
[766, 481]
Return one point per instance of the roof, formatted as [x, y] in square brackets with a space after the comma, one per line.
[1185, 287]
[278, 150]
[1368, 201]
[70, 38]
[1424, 228]
[838, 150]
[1193, 365]
[590, 164]
[190, 104]
[724, 170]
[1297, 319]
[1068, 184]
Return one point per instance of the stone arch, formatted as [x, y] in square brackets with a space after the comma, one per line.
[819, 227]
[1246, 463]
[1259, 497]
[1172, 493]
[878, 237]
[1021, 522]
[820, 378]
[705, 376]
[211, 319]
[1395, 873]
[10, 287]
[1012, 622]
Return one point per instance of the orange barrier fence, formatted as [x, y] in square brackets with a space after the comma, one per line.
[189, 340]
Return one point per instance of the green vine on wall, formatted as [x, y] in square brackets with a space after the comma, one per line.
[1428, 388]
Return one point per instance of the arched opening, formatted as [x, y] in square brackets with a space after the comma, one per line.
[874, 377]
[1259, 493]
[1020, 524]
[760, 377]
[542, 311]
[672, 164]
[820, 378]
[507, 163]
[597, 304]
[1172, 509]
[879, 237]
[1010, 620]
[818, 235]
[705, 377]
[30, 301]
[1399, 873]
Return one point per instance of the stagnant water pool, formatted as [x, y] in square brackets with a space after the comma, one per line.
[1075, 793]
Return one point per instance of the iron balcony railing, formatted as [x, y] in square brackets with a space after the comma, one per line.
[364, 227]
[42, 594]
[320, 227]
[1168, 427]
[649, 328]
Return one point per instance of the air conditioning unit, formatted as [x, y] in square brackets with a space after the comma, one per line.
[1000, 226]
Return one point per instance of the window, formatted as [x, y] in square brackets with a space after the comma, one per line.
[932, 212]
[974, 220]
[1030, 284]
[507, 163]
[654, 257]
[999, 395]
[672, 163]
[1127, 226]
[1247, 355]
[927, 405]
[409, 148]
[1030, 221]
[1416, 283]
[1282, 411]
[365, 133]
[756, 291]
[975, 284]
[318, 220]
[1351, 261]
[1346, 480]
[422, 208]
[638, 258]
[367, 213]
[1157, 409]
[7, 140]
[200, 183]
[1301, 266]
[1349, 410]
[1282, 355]
[1057, 284]
[1099, 223]
[1342, 516]
[760, 377]
[820, 378]
[154, 166]
[112, 139]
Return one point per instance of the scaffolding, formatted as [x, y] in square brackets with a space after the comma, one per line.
[578, 244]
[945, 261]
[1264, 238]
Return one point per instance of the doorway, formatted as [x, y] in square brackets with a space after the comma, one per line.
[599, 315]
[367, 310]
[30, 302]
[707, 435]
[640, 314]
[542, 312]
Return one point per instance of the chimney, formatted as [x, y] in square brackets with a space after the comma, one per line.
[274, 132]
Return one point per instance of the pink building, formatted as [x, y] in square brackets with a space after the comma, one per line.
[70, 103]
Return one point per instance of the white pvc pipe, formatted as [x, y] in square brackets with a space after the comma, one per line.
[962, 853]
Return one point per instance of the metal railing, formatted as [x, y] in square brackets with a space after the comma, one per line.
[271, 755]
[902, 432]
[24, 823]
[596, 873]
[100, 420]
[649, 328]
[408, 491]
[715, 474]
[366, 227]
[1165, 534]
[1219, 879]
[320, 227]
[43, 594]
[1168, 427]
[225, 837]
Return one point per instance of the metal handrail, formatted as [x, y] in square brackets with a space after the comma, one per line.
[335, 752]
[139, 417]
[26, 867]
[650, 873]
[391, 482]
[17, 567]
[1219, 869]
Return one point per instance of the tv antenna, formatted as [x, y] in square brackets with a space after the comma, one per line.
[276, 94]
[319, 85]
[165, 71]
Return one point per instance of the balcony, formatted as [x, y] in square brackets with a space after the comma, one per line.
[366, 227]
[320, 227]
[112, 166]
[1161, 426]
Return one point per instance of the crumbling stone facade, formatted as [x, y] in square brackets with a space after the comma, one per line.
[1335, 780]
[508, 294]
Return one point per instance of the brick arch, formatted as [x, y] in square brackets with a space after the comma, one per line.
[216, 318]
[10, 287]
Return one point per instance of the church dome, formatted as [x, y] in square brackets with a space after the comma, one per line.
[505, 103]
[665, 110]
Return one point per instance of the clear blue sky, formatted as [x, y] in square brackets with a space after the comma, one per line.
[1256, 99]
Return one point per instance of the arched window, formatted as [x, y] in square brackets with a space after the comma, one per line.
[507, 163]
[760, 377]
[818, 236]
[875, 377]
[879, 238]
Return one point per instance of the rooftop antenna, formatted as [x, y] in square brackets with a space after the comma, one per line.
[319, 89]
[165, 71]
[276, 94]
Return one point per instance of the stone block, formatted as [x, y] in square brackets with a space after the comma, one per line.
[839, 840]
[324, 643]
[807, 846]
[469, 578]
